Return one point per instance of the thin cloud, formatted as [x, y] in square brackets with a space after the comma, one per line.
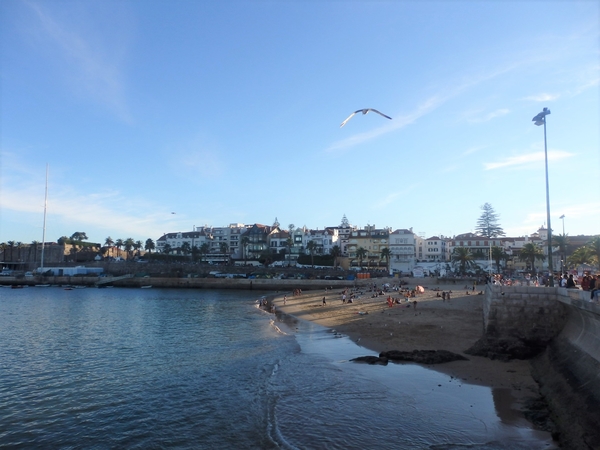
[479, 118]
[472, 150]
[526, 159]
[89, 71]
[544, 97]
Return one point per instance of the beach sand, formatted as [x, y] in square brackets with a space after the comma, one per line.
[433, 324]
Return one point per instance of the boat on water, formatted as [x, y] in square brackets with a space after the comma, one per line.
[42, 285]
[146, 287]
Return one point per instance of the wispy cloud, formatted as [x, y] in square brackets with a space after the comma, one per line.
[90, 71]
[479, 117]
[520, 161]
[544, 97]
[473, 149]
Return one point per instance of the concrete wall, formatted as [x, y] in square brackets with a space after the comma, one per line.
[568, 370]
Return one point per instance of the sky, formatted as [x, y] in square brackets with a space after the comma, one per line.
[159, 116]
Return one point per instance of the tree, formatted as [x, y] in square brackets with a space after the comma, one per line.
[167, 249]
[289, 243]
[149, 246]
[462, 257]
[530, 253]
[561, 240]
[224, 248]
[119, 243]
[311, 246]
[11, 245]
[109, 243]
[583, 255]
[185, 248]
[594, 246]
[361, 253]
[33, 247]
[245, 241]
[335, 252]
[63, 240]
[128, 244]
[203, 250]
[498, 254]
[385, 254]
[79, 236]
[138, 246]
[487, 225]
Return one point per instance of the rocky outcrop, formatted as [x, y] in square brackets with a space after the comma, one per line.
[371, 360]
[505, 349]
[423, 356]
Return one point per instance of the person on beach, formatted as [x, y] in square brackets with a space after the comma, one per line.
[284, 300]
[414, 304]
[324, 302]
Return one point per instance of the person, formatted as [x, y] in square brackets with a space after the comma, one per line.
[563, 281]
[284, 299]
[571, 282]
[324, 302]
[414, 304]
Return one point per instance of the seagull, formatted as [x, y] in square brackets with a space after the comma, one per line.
[364, 111]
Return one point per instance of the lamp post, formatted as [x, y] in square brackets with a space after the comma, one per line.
[540, 119]
[564, 256]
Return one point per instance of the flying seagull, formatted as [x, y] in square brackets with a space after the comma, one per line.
[364, 111]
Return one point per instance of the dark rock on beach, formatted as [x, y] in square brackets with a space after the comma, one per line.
[423, 356]
[371, 360]
[506, 349]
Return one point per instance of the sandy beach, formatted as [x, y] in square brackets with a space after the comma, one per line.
[431, 324]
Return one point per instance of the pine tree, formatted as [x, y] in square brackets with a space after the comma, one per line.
[487, 225]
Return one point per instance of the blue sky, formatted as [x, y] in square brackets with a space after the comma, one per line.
[229, 112]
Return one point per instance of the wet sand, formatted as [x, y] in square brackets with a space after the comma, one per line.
[433, 324]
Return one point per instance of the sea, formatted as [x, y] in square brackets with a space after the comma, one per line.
[121, 368]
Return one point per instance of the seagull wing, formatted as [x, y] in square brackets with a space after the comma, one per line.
[349, 117]
[380, 113]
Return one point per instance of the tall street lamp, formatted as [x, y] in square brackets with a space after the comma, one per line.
[564, 256]
[540, 119]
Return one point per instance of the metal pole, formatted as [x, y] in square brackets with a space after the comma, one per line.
[550, 268]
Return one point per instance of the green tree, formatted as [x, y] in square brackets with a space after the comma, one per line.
[361, 254]
[128, 245]
[224, 249]
[562, 241]
[311, 246]
[11, 246]
[149, 246]
[203, 250]
[385, 254]
[335, 252]
[245, 241]
[138, 246]
[582, 255]
[185, 248]
[109, 243]
[289, 243]
[487, 224]
[167, 249]
[498, 255]
[462, 257]
[531, 253]
[33, 247]
[119, 244]
[594, 246]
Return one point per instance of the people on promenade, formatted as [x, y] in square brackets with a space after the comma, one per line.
[571, 282]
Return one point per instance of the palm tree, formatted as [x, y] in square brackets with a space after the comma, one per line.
[463, 257]
[138, 246]
[167, 249]
[128, 244]
[11, 245]
[594, 245]
[185, 248]
[119, 243]
[149, 246]
[498, 254]
[33, 247]
[204, 249]
[530, 253]
[385, 254]
[335, 252]
[224, 248]
[289, 243]
[361, 253]
[245, 241]
[561, 240]
[311, 246]
[583, 255]
[109, 243]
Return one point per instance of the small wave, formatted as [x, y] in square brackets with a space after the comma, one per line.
[272, 323]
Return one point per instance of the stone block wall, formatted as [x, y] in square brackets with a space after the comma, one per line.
[527, 313]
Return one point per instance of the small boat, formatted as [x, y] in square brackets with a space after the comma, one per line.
[42, 285]
[146, 287]
[17, 286]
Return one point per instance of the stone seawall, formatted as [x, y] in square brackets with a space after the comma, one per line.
[568, 367]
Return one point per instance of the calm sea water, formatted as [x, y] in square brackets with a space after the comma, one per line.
[159, 368]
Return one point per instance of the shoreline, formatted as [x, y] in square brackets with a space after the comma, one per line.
[433, 324]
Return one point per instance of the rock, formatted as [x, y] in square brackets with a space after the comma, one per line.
[506, 349]
[371, 360]
[423, 356]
